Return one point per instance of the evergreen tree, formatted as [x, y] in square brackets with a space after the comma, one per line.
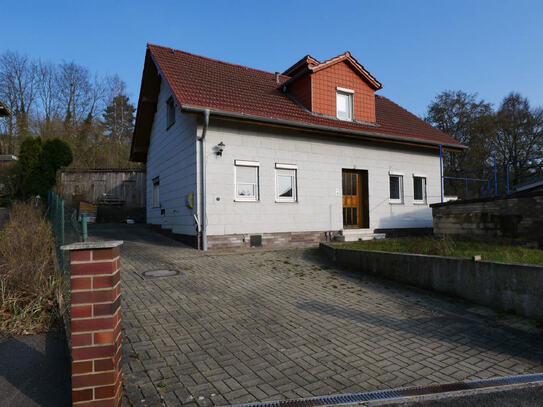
[119, 119]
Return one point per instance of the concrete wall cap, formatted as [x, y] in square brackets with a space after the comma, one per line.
[92, 245]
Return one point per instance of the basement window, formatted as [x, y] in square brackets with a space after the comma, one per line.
[155, 197]
[419, 189]
[344, 104]
[396, 188]
[170, 113]
[246, 175]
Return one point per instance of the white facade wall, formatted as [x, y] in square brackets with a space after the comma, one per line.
[320, 162]
[172, 157]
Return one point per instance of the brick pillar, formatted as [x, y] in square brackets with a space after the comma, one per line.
[95, 310]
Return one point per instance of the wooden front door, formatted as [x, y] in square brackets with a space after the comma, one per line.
[355, 199]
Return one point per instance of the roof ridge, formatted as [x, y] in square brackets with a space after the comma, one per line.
[348, 56]
[326, 61]
[215, 60]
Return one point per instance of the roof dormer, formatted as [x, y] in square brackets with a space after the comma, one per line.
[339, 87]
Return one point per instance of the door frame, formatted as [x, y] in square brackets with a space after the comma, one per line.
[363, 220]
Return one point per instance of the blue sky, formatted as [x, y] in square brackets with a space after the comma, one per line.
[415, 48]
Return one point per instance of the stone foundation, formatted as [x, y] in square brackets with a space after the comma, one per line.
[268, 239]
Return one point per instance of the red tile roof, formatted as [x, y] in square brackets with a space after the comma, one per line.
[204, 82]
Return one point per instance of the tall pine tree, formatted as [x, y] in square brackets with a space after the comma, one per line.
[119, 125]
[119, 119]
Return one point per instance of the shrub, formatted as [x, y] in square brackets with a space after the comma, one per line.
[39, 163]
[30, 286]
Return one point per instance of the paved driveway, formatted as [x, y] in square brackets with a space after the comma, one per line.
[251, 325]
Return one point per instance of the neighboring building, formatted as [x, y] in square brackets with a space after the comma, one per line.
[7, 159]
[4, 111]
[279, 158]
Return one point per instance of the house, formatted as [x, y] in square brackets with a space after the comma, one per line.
[4, 111]
[236, 156]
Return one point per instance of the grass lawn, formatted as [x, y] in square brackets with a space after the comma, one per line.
[447, 247]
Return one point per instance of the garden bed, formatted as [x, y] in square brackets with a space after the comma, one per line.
[30, 284]
[463, 248]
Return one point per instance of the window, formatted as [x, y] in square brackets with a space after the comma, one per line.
[170, 113]
[396, 188]
[344, 104]
[419, 189]
[155, 197]
[247, 188]
[285, 183]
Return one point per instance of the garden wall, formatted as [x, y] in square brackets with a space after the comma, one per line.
[504, 286]
[514, 217]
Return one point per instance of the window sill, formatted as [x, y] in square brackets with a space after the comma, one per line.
[281, 201]
[419, 203]
[247, 200]
[394, 202]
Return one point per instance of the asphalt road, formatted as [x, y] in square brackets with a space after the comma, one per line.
[34, 371]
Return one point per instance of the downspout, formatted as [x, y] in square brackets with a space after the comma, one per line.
[202, 201]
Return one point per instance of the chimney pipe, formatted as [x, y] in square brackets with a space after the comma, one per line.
[277, 77]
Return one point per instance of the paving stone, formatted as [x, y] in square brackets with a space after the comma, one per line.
[259, 324]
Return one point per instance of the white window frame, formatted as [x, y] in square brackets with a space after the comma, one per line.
[244, 163]
[424, 199]
[350, 94]
[287, 167]
[170, 112]
[155, 193]
[401, 186]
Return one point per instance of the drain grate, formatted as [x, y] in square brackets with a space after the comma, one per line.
[398, 393]
[160, 273]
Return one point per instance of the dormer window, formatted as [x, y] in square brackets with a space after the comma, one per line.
[344, 104]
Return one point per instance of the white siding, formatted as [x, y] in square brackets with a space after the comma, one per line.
[320, 161]
[172, 157]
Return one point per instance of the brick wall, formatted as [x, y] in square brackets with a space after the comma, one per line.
[301, 89]
[341, 74]
[95, 324]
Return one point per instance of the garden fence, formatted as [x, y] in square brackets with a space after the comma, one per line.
[65, 224]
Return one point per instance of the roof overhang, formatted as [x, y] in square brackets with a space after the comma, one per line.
[366, 135]
[147, 105]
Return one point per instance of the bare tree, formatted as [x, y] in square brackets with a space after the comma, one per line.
[469, 120]
[519, 134]
[67, 101]
[18, 91]
[47, 97]
[73, 85]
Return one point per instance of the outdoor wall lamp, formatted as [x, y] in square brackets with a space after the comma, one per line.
[220, 148]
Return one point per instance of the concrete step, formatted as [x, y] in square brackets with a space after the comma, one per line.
[354, 235]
